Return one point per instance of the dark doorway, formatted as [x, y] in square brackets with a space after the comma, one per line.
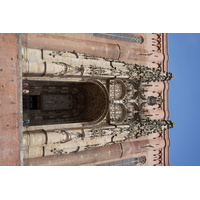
[51, 102]
[31, 102]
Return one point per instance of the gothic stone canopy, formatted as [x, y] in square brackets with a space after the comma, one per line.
[103, 95]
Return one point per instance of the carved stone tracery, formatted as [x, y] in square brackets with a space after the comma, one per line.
[124, 98]
[75, 64]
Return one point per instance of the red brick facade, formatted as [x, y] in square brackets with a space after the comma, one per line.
[9, 100]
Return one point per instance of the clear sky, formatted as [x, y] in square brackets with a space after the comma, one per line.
[184, 98]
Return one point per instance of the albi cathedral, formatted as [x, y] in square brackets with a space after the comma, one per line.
[95, 99]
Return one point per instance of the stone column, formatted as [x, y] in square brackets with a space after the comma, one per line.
[60, 43]
[98, 154]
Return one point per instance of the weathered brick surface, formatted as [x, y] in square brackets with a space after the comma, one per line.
[9, 100]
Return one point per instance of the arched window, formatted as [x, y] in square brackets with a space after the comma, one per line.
[128, 162]
[121, 36]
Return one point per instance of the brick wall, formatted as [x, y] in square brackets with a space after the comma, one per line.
[9, 100]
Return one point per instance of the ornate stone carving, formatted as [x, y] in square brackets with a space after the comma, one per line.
[67, 136]
[146, 74]
[69, 69]
[76, 64]
[151, 100]
[70, 135]
[146, 127]
[127, 99]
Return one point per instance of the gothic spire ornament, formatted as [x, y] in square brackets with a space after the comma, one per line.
[146, 127]
[146, 74]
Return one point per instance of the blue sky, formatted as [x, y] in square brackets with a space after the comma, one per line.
[184, 98]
